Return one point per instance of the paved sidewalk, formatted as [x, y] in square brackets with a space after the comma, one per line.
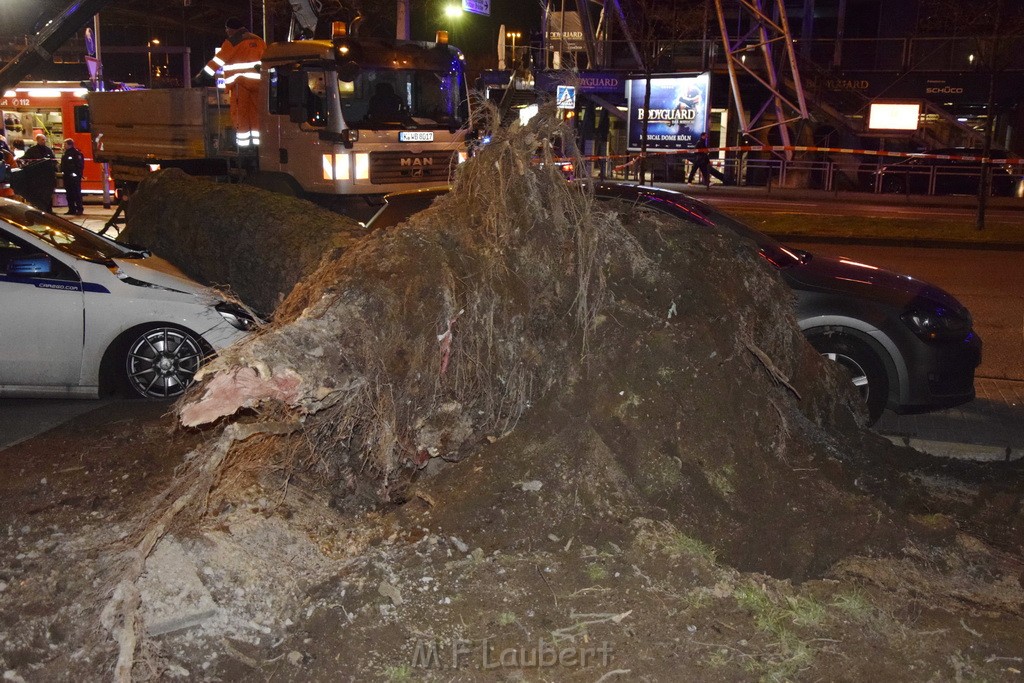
[991, 427]
[94, 218]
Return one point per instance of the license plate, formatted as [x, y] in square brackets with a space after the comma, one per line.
[416, 136]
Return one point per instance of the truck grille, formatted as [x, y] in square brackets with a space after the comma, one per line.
[408, 167]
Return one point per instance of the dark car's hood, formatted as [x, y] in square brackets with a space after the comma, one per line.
[824, 273]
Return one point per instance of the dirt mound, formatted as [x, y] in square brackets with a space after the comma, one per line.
[252, 243]
[675, 345]
[526, 421]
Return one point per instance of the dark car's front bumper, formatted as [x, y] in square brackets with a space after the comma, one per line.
[940, 374]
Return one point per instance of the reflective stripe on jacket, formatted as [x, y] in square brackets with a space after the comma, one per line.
[239, 59]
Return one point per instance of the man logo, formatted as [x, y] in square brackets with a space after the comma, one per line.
[415, 165]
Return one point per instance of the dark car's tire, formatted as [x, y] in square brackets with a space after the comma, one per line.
[160, 362]
[867, 371]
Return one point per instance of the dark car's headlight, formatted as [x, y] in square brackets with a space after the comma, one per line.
[237, 316]
[937, 324]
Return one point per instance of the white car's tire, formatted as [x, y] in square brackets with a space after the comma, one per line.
[160, 362]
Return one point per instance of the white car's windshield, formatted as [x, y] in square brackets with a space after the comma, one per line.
[61, 234]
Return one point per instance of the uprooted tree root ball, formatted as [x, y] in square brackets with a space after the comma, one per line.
[530, 414]
[418, 342]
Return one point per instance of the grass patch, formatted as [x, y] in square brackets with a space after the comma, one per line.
[774, 616]
[923, 228]
[675, 543]
[804, 611]
[855, 605]
[789, 654]
[721, 481]
[398, 674]
[506, 618]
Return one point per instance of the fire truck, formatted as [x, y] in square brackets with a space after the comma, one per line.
[57, 110]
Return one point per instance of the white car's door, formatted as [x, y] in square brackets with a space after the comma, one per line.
[41, 317]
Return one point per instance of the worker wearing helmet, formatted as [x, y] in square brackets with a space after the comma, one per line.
[239, 56]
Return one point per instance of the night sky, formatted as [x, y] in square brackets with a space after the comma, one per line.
[133, 22]
[475, 34]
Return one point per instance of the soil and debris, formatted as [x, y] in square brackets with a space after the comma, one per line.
[523, 436]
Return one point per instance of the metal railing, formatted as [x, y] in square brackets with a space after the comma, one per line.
[883, 176]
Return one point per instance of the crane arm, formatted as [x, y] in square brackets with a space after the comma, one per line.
[42, 46]
[304, 17]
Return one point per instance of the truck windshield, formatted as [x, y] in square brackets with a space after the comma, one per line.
[408, 99]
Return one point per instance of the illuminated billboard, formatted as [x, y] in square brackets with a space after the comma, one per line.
[893, 116]
[678, 111]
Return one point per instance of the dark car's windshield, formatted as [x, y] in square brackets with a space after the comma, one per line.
[61, 234]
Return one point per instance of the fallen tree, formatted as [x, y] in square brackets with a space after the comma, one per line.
[232, 236]
[638, 425]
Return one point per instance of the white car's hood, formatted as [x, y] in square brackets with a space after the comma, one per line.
[156, 272]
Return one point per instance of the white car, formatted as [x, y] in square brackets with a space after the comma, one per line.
[81, 313]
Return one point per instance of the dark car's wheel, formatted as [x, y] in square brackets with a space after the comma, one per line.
[865, 367]
[160, 362]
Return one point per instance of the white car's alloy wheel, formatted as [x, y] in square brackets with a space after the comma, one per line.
[161, 362]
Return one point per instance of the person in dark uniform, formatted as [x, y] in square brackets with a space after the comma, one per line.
[38, 151]
[702, 164]
[40, 166]
[72, 165]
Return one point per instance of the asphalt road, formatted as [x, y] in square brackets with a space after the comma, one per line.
[23, 418]
[826, 205]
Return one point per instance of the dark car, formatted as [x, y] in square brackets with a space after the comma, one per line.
[955, 175]
[908, 345]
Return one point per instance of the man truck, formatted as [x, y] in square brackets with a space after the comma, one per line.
[323, 131]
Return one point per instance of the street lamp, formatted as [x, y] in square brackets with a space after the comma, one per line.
[453, 12]
[149, 60]
[513, 36]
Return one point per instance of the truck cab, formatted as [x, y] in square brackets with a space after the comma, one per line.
[362, 116]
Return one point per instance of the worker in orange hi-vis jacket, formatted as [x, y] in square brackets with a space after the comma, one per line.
[240, 57]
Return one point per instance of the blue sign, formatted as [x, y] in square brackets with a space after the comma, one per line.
[482, 7]
[677, 115]
[565, 97]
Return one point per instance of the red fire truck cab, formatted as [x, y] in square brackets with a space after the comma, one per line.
[56, 109]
